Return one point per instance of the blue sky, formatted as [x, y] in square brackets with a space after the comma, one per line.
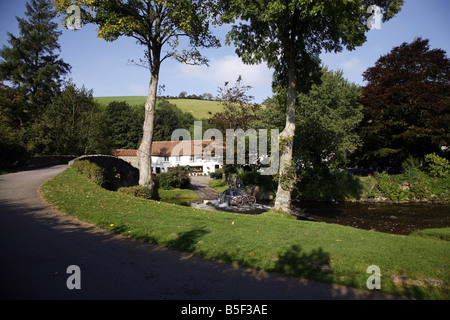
[103, 66]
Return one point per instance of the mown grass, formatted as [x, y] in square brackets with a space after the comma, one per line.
[270, 242]
[179, 194]
[218, 185]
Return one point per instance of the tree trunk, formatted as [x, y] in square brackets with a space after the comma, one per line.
[287, 177]
[145, 149]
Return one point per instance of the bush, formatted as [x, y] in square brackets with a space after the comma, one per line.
[389, 188]
[419, 191]
[338, 185]
[92, 171]
[437, 167]
[256, 178]
[137, 191]
[217, 175]
[411, 169]
[176, 178]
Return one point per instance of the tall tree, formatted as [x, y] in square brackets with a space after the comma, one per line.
[406, 103]
[289, 36]
[31, 65]
[328, 117]
[155, 25]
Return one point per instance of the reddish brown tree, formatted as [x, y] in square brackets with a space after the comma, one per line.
[406, 103]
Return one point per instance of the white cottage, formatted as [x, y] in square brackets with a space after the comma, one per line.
[168, 154]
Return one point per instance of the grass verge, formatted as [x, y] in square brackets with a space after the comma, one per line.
[179, 194]
[270, 242]
[219, 185]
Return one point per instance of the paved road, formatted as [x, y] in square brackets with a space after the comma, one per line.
[200, 185]
[37, 244]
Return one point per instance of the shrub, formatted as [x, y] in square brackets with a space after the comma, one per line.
[217, 175]
[418, 190]
[92, 171]
[176, 177]
[389, 188]
[137, 191]
[411, 170]
[437, 167]
[256, 178]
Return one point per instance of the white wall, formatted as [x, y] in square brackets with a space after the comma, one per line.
[159, 162]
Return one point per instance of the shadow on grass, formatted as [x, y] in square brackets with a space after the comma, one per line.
[314, 265]
[187, 240]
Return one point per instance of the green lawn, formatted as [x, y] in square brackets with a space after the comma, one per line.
[219, 185]
[319, 251]
[179, 194]
[199, 108]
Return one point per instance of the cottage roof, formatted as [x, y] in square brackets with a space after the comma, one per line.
[169, 148]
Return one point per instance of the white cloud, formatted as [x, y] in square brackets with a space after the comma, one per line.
[228, 69]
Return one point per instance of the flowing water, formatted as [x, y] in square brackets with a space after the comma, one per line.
[383, 217]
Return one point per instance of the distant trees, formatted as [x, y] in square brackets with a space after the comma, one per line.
[184, 95]
[73, 124]
[124, 125]
[169, 117]
[406, 104]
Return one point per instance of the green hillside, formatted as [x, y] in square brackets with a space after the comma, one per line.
[199, 108]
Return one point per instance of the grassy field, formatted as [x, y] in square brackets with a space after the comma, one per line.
[198, 108]
[412, 266]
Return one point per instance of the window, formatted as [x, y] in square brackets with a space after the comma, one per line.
[192, 158]
[166, 159]
[178, 159]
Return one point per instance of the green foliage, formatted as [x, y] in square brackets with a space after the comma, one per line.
[255, 178]
[217, 175]
[411, 169]
[336, 185]
[437, 166]
[73, 124]
[31, 63]
[137, 191]
[90, 170]
[176, 177]
[124, 125]
[169, 117]
[419, 191]
[405, 112]
[328, 117]
[389, 187]
[290, 35]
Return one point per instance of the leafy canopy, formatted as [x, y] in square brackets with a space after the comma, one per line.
[406, 103]
[153, 24]
[288, 34]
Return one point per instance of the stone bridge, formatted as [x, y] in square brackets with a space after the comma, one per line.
[129, 175]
